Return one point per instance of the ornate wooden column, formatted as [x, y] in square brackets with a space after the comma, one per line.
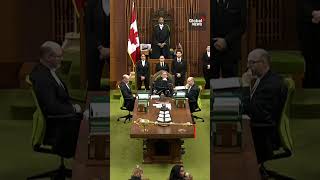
[118, 46]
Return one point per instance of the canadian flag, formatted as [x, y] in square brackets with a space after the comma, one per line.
[133, 38]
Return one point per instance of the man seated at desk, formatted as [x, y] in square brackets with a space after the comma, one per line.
[53, 97]
[128, 97]
[192, 94]
[263, 103]
[163, 85]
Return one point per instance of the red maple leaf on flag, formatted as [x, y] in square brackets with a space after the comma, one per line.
[132, 36]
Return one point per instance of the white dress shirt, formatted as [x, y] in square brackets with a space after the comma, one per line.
[53, 73]
[161, 26]
[127, 86]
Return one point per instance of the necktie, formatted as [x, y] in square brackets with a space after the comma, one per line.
[162, 64]
[253, 89]
[57, 79]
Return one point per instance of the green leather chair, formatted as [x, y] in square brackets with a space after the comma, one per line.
[286, 143]
[38, 140]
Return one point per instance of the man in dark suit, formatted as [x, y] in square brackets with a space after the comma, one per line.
[54, 99]
[207, 67]
[143, 72]
[192, 94]
[161, 37]
[263, 102]
[128, 97]
[228, 23]
[179, 69]
[163, 85]
[309, 37]
[162, 65]
[97, 42]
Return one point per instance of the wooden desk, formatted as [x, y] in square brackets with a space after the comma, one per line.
[163, 144]
[82, 167]
[153, 63]
[236, 165]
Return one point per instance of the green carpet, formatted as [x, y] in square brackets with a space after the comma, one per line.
[18, 160]
[304, 163]
[306, 104]
[126, 153]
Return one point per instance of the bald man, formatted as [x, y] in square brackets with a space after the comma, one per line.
[264, 102]
[127, 93]
[54, 99]
[192, 94]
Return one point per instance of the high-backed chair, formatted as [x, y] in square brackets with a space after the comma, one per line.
[157, 76]
[285, 146]
[42, 141]
[122, 107]
[194, 117]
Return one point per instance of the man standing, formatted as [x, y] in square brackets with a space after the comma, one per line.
[143, 73]
[309, 37]
[207, 67]
[161, 39]
[96, 36]
[229, 21]
[179, 69]
[161, 65]
[263, 102]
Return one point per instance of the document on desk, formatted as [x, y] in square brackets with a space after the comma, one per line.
[160, 105]
[181, 94]
[155, 97]
[99, 110]
[143, 96]
[180, 88]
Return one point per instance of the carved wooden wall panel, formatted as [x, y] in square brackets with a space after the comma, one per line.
[180, 32]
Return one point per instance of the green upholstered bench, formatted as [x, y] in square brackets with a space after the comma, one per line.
[289, 63]
[200, 81]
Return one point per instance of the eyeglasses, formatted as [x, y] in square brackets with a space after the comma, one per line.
[252, 62]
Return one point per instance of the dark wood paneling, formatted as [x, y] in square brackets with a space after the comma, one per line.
[274, 22]
[118, 40]
[25, 25]
[193, 42]
[9, 74]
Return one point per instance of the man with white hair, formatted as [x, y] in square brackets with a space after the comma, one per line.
[127, 93]
[54, 99]
[263, 103]
[192, 94]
